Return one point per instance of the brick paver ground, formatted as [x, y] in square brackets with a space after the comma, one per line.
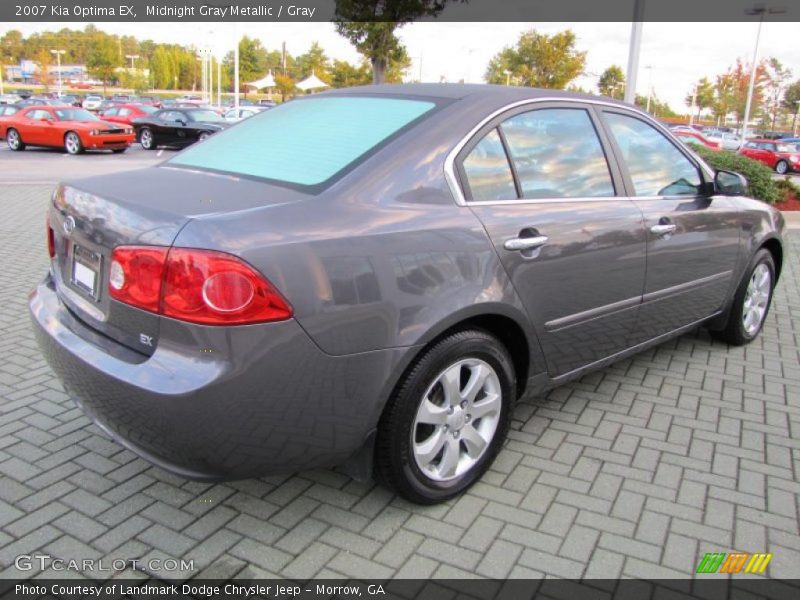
[636, 470]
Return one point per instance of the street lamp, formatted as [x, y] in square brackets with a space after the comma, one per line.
[649, 84]
[759, 10]
[132, 58]
[58, 54]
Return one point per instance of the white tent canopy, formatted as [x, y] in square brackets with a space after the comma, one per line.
[264, 82]
[311, 83]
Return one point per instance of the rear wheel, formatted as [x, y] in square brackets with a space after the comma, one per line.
[14, 140]
[72, 143]
[146, 139]
[751, 302]
[203, 136]
[782, 167]
[447, 419]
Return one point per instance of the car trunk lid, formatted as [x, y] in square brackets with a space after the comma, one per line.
[149, 207]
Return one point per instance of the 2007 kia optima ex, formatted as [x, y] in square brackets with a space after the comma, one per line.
[372, 277]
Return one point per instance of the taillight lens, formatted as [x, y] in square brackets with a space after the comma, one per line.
[136, 274]
[200, 286]
[51, 240]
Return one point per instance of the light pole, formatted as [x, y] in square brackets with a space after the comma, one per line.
[132, 58]
[649, 85]
[633, 51]
[759, 10]
[508, 76]
[58, 54]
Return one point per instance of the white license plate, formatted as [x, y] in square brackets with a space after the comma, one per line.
[85, 269]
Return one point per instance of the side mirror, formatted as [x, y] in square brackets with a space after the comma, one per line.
[729, 183]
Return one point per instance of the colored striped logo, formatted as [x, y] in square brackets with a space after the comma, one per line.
[736, 562]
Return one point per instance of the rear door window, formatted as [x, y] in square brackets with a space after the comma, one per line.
[557, 154]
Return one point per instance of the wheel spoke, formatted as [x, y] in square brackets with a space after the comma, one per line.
[427, 450]
[450, 456]
[489, 406]
[451, 384]
[477, 379]
[473, 441]
[431, 414]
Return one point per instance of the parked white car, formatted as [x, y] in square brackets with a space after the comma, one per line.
[92, 102]
[728, 141]
[237, 114]
[9, 99]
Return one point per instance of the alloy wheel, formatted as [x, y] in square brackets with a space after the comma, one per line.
[146, 139]
[756, 299]
[781, 167]
[456, 419]
[72, 143]
[13, 139]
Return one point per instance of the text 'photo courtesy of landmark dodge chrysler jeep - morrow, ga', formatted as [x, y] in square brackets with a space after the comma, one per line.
[372, 277]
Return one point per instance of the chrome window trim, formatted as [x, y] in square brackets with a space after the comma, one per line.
[458, 192]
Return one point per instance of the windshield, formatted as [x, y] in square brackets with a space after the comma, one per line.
[74, 114]
[204, 116]
[305, 142]
[146, 109]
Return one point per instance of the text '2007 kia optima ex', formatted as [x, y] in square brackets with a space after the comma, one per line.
[372, 277]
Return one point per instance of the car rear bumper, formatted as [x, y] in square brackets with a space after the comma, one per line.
[218, 402]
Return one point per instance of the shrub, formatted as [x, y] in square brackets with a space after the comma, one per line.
[758, 175]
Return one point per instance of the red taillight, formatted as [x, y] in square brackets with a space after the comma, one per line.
[201, 286]
[51, 240]
[136, 274]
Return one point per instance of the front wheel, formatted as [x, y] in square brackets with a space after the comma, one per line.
[72, 143]
[751, 302]
[782, 167]
[14, 140]
[203, 136]
[146, 139]
[447, 419]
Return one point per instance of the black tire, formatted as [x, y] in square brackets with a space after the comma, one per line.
[203, 136]
[734, 331]
[395, 463]
[14, 140]
[72, 143]
[146, 139]
[782, 167]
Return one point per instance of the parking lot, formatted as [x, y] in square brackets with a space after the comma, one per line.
[637, 470]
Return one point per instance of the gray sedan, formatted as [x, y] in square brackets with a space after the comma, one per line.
[378, 285]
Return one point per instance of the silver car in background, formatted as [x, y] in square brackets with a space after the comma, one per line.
[377, 285]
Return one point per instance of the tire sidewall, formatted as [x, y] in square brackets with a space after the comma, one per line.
[481, 346]
[9, 135]
[785, 167]
[761, 257]
[78, 148]
[149, 133]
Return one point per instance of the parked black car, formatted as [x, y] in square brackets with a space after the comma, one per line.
[177, 127]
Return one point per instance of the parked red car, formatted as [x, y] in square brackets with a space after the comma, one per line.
[123, 113]
[780, 156]
[73, 129]
[693, 138]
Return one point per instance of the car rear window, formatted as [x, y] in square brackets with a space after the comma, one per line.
[304, 142]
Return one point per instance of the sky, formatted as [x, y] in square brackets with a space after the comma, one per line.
[673, 55]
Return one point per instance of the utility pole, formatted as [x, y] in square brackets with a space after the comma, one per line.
[691, 108]
[283, 58]
[236, 76]
[633, 51]
[58, 54]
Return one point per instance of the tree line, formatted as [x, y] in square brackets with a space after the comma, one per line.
[536, 60]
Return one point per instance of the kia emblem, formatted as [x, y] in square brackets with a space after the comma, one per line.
[69, 225]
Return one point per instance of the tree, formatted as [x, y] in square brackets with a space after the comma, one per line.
[370, 26]
[612, 82]
[285, 85]
[103, 59]
[43, 59]
[344, 74]
[314, 61]
[538, 60]
[777, 78]
[791, 101]
[702, 95]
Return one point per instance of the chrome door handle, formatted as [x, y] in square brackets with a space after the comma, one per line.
[525, 243]
[663, 229]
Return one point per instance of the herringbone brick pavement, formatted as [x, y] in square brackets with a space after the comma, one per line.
[636, 470]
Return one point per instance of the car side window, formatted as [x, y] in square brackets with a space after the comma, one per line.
[111, 112]
[123, 112]
[488, 171]
[557, 154]
[656, 166]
